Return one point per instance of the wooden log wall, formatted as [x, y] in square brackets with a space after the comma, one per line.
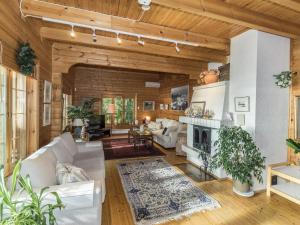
[13, 30]
[167, 83]
[107, 82]
[294, 91]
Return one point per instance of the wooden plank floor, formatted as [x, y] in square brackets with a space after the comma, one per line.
[234, 210]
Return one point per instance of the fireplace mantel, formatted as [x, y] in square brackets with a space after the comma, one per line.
[214, 124]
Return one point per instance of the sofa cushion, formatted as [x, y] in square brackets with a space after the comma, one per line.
[41, 169]
[67, 173]
[157, 132]
[61, 152]
[69, 143]
[170, 129]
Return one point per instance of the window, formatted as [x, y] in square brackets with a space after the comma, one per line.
[3, 114]
[18, 137]
[124, 110]
[105, 103]
[67, 99]
[118, 110]
[18, 117]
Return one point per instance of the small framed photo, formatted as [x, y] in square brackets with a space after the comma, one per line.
[199, 105]
[161, 107]
[47, 91]
[242, 104]
[47, 115]
[166, 106]
[149, 106]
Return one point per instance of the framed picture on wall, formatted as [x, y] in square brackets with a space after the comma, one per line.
[242, 104]
[47, 91]
[149, 106]
[47, 115]
[161, 107]
[180, 97]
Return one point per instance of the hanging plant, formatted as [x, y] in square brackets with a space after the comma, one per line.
[25, 59]
[284, 79]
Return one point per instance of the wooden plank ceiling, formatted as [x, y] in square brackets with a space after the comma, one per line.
[208, 22]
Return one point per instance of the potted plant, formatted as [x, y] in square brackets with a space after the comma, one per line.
[32, 209]
[238, 155]
[82, 112]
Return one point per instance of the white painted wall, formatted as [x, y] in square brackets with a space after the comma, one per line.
[255, 58]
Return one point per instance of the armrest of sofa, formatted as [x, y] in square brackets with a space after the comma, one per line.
[77, 195]
[90, 146]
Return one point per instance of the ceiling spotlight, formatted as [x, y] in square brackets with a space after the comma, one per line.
[72, 33]
[140, 41]
[177, 48]
[145, 4]
[94, 36]
[119, 40]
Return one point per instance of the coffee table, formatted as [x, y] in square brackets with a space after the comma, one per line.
[140, 136]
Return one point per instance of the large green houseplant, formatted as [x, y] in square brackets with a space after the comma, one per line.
[31, 210]
[83, 112]
[238, 155]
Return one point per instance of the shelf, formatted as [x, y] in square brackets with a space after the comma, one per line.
[291, 188]
[289, 191]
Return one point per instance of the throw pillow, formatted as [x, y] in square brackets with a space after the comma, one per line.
[67, 173]
[165, 130]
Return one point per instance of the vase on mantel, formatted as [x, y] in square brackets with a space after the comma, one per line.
[209, 77]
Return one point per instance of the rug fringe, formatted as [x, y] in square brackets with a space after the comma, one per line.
[179, 216]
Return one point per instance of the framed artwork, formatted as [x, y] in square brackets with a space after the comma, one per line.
[242, 104]
[161, 107]
[166, 106]
[47, 91]
[180, 97]
[199, 105]
[47, 115]
[149, 105]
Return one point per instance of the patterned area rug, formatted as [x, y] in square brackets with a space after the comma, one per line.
[120, 148]
[157, 192]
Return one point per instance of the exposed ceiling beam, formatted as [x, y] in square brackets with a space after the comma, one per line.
[291, 4]
[67, 55]
[199, 54]
[75, 15]
[220, 10]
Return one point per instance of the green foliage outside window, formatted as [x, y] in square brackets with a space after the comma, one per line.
[118, 110]
[129, 111]
[105, 103]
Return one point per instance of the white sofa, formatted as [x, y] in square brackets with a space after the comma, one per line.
[82, 200]
[169, 139]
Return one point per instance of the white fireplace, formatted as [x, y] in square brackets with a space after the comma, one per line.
[202, 133]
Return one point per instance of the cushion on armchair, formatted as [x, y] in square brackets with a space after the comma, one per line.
[170, 129]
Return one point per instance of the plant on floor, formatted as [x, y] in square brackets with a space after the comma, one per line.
[284, 79]
[238, 155]
[32, 210]
[25, 59]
